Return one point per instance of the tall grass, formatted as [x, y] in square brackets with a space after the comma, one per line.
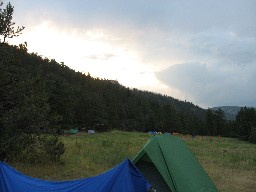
[99, 152]
[88, 155]
[230, 163]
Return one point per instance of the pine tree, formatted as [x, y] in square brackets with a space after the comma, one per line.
[7, 29]
[219, 114]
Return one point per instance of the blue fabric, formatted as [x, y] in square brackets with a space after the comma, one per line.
[152, 132]
[125, 177]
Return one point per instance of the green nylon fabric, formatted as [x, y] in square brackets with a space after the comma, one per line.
[176, 163]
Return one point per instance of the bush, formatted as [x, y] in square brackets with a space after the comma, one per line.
[44, 149]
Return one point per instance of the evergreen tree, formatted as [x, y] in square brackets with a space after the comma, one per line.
[246, 121]
[7, 29]
[24, 108]
[210, 121]
[219, 116]
[252, 137]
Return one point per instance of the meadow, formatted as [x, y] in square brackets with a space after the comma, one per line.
[230, 163]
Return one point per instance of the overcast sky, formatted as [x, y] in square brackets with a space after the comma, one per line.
[203, 51]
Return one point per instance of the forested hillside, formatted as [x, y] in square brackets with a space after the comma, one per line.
[51, 97]
[71, 99]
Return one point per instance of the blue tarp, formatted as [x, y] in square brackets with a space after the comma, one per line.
[152, 132]
[124, 177]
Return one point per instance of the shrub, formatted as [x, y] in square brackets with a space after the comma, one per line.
[44, 149]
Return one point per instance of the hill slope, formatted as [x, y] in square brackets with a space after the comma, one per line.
[73, 99]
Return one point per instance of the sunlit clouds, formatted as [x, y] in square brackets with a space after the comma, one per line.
[90, 52]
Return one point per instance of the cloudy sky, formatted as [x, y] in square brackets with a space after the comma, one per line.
[203, 51]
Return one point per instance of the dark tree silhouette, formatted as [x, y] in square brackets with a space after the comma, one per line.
[7, 29]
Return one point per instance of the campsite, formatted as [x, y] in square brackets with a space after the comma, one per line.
[231, 164]
[165, 123]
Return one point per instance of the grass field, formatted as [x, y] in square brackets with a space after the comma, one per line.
[230, 163]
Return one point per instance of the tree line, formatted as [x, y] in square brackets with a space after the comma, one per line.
[243, 127]
[72, 99]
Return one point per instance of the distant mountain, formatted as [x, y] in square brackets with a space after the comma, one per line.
[230, 111]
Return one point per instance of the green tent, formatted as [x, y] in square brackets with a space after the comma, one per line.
[71, 131]
[167, 163]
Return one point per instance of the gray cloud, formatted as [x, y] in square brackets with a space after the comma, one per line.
[227, 76]
[213, 86]
[224, 46]
[177, 15]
